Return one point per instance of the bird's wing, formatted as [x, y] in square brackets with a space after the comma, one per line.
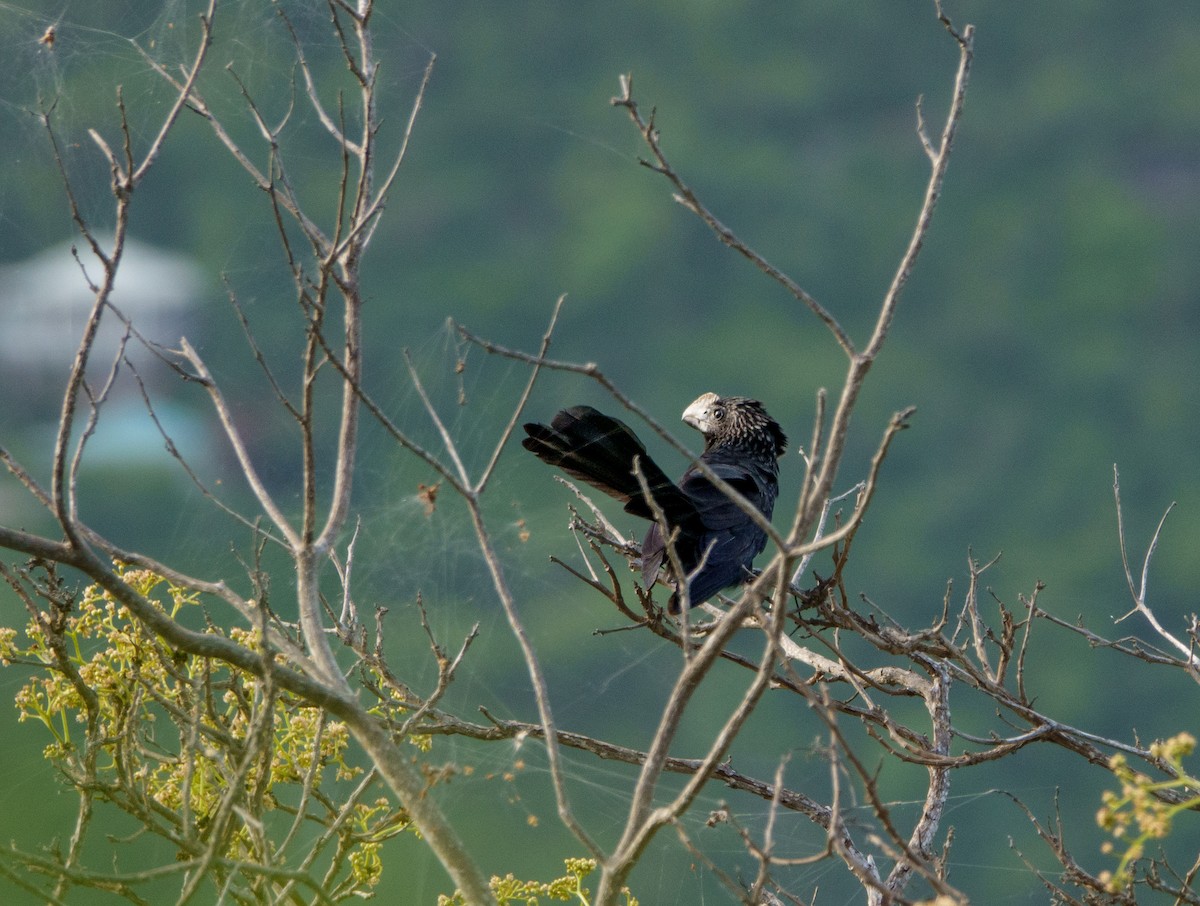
[718, 512]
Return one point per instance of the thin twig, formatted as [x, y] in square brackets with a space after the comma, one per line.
[1138, 591]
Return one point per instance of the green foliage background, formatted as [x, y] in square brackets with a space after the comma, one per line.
[1049, 331]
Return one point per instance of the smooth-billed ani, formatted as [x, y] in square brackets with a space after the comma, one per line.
[716, 540]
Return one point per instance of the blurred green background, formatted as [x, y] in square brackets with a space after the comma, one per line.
[1048, 332]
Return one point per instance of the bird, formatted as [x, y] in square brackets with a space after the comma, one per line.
[716, 541]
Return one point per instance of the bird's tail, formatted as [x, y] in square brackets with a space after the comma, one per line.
[601, 450]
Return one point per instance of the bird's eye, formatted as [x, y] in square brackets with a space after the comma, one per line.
[719, 413]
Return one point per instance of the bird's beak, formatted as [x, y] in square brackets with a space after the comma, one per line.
[698, 414]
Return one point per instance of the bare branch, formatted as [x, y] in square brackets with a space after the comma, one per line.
[225, 416]
[686, 197]
[181, 96]
[1138, 592]
[490, 468]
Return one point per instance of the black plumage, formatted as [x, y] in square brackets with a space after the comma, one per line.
[716, 541]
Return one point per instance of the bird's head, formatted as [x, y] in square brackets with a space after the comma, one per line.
[735, 421]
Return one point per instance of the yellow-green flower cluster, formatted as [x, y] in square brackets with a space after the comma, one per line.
[569, 888]
[171, 732]
[1140, 813]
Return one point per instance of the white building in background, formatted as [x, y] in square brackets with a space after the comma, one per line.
[44, 305]
[45, 301]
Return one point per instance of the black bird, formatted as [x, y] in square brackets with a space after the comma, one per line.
[716, 541]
